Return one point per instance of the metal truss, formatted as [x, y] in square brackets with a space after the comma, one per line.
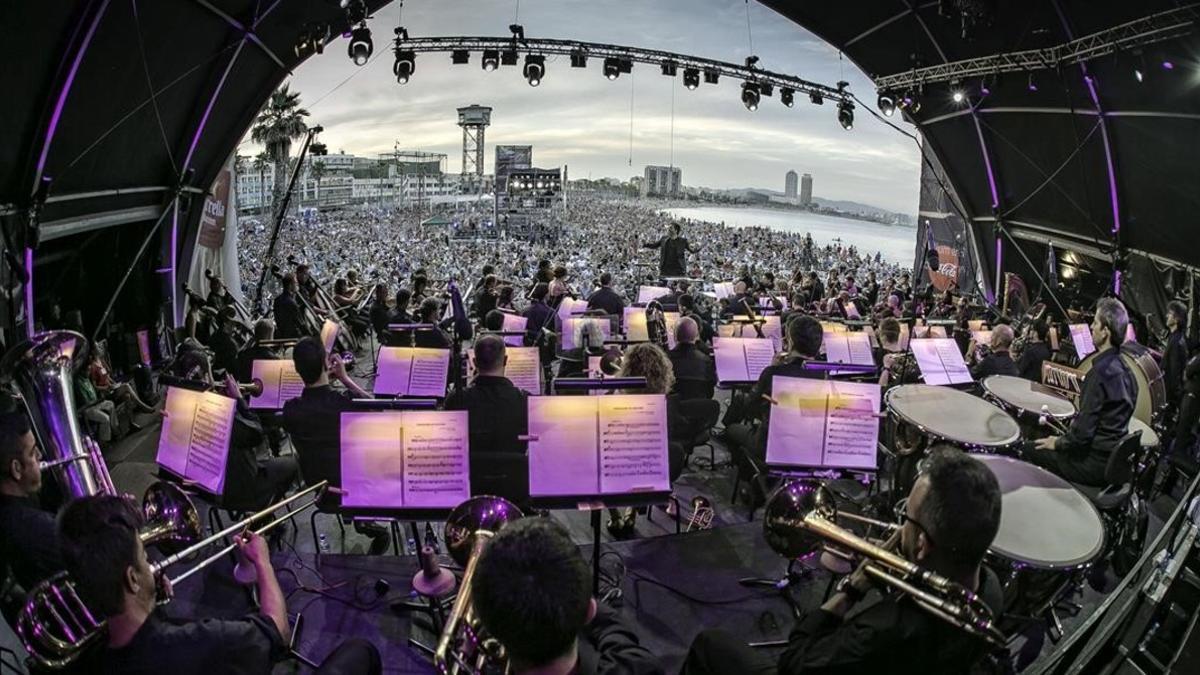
[590, 50]
[1159, 27]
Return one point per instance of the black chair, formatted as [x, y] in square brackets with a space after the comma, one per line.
[1125, 520]
[1118, 474]
[702, 416]
[691, 389]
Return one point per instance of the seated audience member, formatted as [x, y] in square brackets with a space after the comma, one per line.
[108, 563]
[951, 517]
[28, 542]
[605, 298]
[1105, 406]
[532, 592]
[1036, 351]
[999, 361]
[313, 420]
[695, 372]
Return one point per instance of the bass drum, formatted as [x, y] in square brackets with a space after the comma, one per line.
[1151, 391]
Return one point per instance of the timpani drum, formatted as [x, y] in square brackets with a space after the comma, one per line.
[1028, 402]
[1049, 535]
[1151, 390]
[922, 414]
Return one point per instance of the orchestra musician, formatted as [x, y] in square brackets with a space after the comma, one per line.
[313, 420]
[532, 592]
[898, 366]
[289, 322]
[223, 344]
[673, 250]
[1105, 407]
[264, 331]
[1175, 354]
[998, 361]
[544, 274]
[433, 338]
[1036, 350]
[950, 519]
[379, 309]
[538, 315]
[487, 297]
[558, 286]
[606, 299]
[694, 369]
[305, 282]
[28, 542]
[112, 574]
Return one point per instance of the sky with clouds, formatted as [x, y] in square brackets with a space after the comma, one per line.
[580, 119]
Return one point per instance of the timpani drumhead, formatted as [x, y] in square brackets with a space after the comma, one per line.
[1149, 436]
[1028, 396]
[953, 415]
[1044, 522]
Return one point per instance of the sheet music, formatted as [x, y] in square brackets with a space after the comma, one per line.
[393, 370]
[634, 321]
[976, 324]
[823, 424]
[648, 293]
[524, 368]
[563, 446]
[671, 319]
[851, 310]
[430, 367]
[194, 441]
[570, 307]
[742, 359]
[405, 459]
[514, 322]
[723, 289]
[329, 334]
[1081, 335]
[772, 327]
[281, 383]
[633, 444]
[854, 348]
[940, 361]
[833, 327]
[572, 331]
[759, 354]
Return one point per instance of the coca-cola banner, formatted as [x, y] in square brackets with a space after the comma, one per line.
[943, 251]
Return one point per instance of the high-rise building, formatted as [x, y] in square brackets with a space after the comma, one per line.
[806, 189]
[789, 185]
[662, 181]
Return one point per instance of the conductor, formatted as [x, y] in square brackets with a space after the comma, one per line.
[673, 250]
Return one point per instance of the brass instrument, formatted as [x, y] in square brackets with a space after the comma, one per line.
[702, 514]
[800, 519]
[462, 647]
[56, 626]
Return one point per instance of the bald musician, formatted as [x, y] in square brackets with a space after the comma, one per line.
[999, 361]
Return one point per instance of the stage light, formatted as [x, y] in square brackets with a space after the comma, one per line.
[612, 69]
[356, 11]
[508, 58]
[535, 69]
[766, 89]
[787, 96]
[711, 76]
[691, 78]
[846, 115]
[1032, 86]
[1137, 75]
[1168, 65]
[490, 60]
[750, 96]
[360, 48]
[668, 68]
[578, 59]
[406, 64]
[958, 97]
[887, 104]
[816, 99]
[460, 56]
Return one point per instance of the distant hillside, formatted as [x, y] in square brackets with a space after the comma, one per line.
[841, 205]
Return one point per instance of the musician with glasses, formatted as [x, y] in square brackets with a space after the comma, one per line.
[951, 517]
[28, 543]
[108, 563]
[532, 591]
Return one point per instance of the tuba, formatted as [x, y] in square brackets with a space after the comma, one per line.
[800, 520]
[462, 646]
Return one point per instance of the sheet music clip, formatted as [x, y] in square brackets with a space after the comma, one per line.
[589, 506]
[528, 437]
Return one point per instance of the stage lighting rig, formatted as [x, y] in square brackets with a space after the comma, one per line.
[711, 76]
[578, 59]
[312, 39]
[787, 96]
[668, 68]
[518, 33]
[535, 69]
[750, 96]
[816, 99]
[490, 60]
[887, 104]
[356, 11]
[360, 48]
[405, 66]
[460, 56]
[846, 115]
[691, 78]
[613, 67]
[766, 89]
[508, 57]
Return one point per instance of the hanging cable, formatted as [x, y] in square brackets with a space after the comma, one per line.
[749, 33]
[671, 136]
[150, 86]
[517, 14]
[630, 119]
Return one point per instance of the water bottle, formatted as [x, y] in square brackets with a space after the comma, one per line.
[322, 543]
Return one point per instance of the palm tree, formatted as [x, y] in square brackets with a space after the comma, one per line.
[280, 122]
[317, 170]
[261, 162]
[239, 167]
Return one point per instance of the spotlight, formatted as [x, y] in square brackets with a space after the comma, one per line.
[691, 78]
[1168, 65]
[612, 69]
[668, 68]
[887, 104]
[750, 96]
[311, 39]
[1032, 85]
[490, 60]
[983, 88]
[406, 64]
[787, 96]
[535, 68]
[846, 115]
[711, 76]
[360, 47]
[766, 89]
[1137, 75]
[508, 58]
[816, 99]
[460, 56]
[356, 11]
[578, 59]
[958, 97]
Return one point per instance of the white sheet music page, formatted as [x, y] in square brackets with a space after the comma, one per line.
[723, 289]
[572, 331]
[634, 321]
[1081, 335]
[524, 368]
[372, 459]
[671, 319]
[194, 441]
[329, 334]
[633, 444]
[436, 458]
[852, 428]
[563, 451]
[281, 383]
[760, 353]
[429, 370]
[648, 293]
[796, 431]
[394, 370]
[940, 361]
[514, 322]
[773, 329]
[730, 358]
[570, 307]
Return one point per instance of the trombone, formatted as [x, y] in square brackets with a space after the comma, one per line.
[56, 626]
[799, 519]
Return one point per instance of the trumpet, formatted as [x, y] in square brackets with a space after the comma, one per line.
[462, 646]
[800, 518]
[57, 627]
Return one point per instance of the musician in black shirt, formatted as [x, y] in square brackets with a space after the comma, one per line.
[998, 361]
[288, 317]
[695, 371]
[951, 517]
[532, 592]
[605, 298]
[108, 564]
[1036, 351]
[1105, 407]
[673, 252]
[28, 543]
[1175, 354]
[435, 337]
